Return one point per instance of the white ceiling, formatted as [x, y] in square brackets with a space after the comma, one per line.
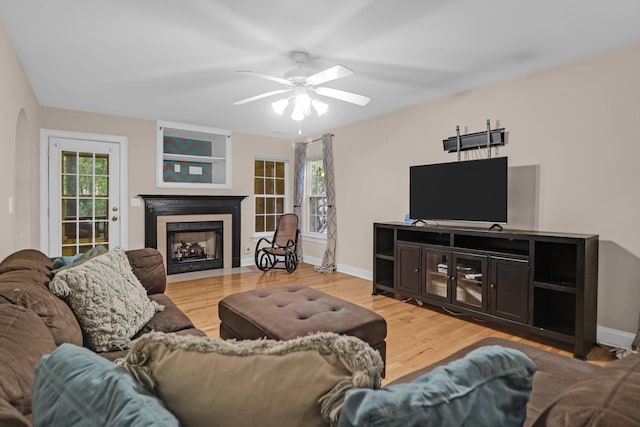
[177, 60]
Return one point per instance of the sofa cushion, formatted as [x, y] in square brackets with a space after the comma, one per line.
[22, 288]
[148, 266]
[108, 300]
[74, 386]
[26, 259]
[607, 398]
[488, 387]
[171, 319]
[10, 416]
[262, 382]
[23, 340]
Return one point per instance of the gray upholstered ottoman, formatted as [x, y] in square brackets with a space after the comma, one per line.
[290, 311]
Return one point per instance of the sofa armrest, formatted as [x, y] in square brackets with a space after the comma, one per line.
[148, 266]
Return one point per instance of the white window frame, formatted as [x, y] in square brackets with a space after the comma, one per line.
[257, 235]
[308, 235]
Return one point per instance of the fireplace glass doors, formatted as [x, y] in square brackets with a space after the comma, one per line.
[194, 246]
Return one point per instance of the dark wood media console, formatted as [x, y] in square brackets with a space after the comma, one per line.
[544, 283]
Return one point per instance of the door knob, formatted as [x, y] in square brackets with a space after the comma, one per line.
[114, 218]
[115, 209]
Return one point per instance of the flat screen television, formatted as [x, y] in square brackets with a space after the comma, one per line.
[472, 190]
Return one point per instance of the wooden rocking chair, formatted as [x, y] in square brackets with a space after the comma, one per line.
[282, 249]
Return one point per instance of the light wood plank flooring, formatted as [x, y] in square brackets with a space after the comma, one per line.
[417, 336]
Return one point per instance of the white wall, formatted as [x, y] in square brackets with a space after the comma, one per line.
[19, 133]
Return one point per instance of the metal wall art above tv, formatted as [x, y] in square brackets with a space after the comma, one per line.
[472, 190]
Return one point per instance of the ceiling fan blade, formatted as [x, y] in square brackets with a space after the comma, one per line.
[353, 98]
[263, 95]
[332, 73]
[266, 76]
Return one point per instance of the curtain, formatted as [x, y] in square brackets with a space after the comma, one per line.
[298, 183]
[329, 257]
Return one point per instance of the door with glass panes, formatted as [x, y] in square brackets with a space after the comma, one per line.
[83, 195]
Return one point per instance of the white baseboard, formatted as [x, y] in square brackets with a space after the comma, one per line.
[614, 337]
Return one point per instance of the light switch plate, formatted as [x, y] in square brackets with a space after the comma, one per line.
[135, 201]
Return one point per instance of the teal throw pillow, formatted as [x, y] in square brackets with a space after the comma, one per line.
[490, 386]
[75, 260]
[75, 387]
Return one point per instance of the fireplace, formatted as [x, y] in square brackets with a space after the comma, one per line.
[194, 232]
[194, 246]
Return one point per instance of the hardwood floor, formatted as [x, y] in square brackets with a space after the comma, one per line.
[417, 336]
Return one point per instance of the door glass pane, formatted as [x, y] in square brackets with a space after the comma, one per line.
[469, 281]
[69, 162]
[85, 162]
[102, 186]
[437, 274]
[69, 209]
[84, 206]
[69, 185]
[102, 164]
[101, 208]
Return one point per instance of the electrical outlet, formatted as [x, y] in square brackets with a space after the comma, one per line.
[247, 249]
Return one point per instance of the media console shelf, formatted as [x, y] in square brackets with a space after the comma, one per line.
[544, 283]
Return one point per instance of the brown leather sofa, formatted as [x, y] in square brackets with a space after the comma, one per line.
[33, 322]
[570, 392]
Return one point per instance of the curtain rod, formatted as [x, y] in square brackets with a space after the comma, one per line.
[314, 140]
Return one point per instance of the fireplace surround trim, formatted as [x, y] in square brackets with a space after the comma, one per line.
[162, 205]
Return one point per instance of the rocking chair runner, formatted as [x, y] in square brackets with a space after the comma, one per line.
[282, 249]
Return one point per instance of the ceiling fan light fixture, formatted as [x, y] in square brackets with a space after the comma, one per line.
[303, 101]
[320, 107]
[280, 105]
[297, 114]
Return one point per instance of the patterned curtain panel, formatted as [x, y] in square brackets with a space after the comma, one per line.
[298, 183]
[329, 257]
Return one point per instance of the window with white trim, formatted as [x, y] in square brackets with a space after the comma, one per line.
[270, 190]
[316, 197]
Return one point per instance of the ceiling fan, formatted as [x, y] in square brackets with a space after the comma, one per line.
[299, 82]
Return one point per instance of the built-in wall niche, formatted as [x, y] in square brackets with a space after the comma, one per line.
[192, 156]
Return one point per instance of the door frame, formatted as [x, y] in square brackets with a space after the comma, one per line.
[122, 141]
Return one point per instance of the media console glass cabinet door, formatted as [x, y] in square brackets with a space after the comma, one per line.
[545, 283]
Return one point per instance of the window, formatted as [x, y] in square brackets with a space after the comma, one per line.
[270, 193]
[316, 197]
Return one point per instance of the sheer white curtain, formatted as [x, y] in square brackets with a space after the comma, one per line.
[298, 183]
[329, 257]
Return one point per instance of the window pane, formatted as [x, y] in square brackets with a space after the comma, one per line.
[259, 168]
[280, 170]
[270, 223]
[279, 205]
[69, 162]
[102, 186]
[258, 186]
[270, 207]
[102, 164]
[69, 183]
[270, 169]
[259, 223]
[85, 248]
[259, 205]
[280, 187]
[86, 163]
[269, 186]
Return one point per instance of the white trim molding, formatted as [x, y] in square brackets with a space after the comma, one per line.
[614, 337]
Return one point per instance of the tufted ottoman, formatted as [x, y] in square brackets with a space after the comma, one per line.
[290, 311]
